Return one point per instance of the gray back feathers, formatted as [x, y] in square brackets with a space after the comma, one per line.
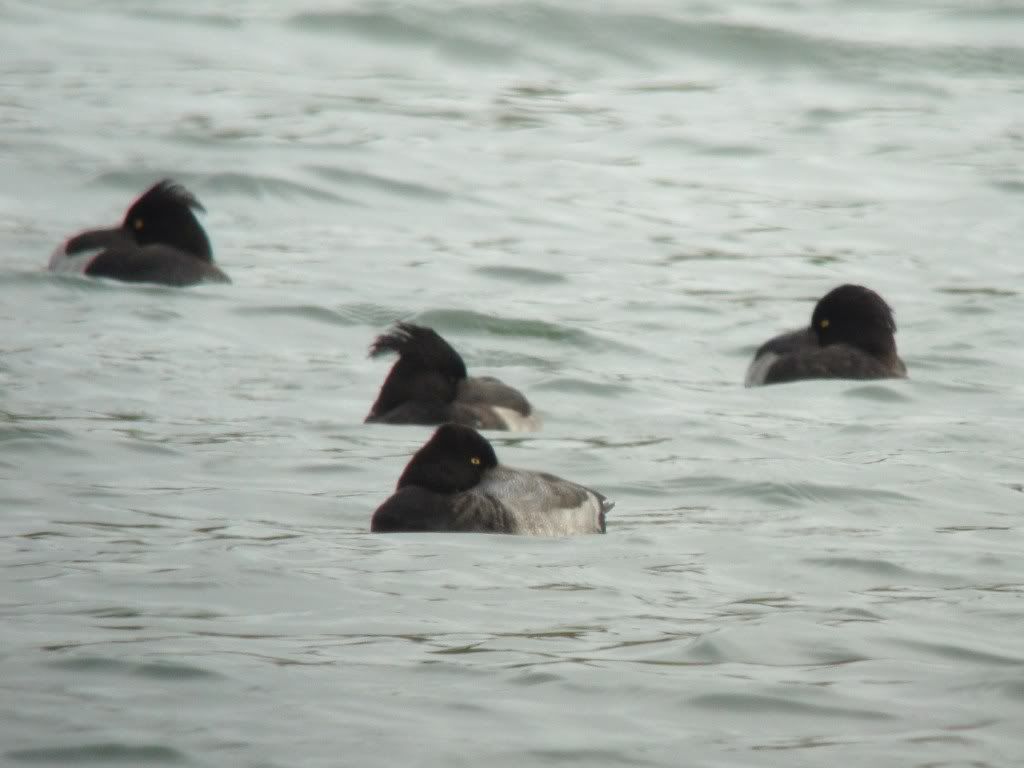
[542, 504]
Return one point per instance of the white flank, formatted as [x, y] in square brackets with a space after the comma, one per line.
[759, 369]
[515, 421]
[77, 263]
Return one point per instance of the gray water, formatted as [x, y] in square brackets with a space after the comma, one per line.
[608, 206]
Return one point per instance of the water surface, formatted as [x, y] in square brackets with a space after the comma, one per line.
[609, 207]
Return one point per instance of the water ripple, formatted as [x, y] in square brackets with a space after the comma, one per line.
[109, 752]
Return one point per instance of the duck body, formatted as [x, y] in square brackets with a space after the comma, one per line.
[429, 385]
[443, 490]
[851, 336]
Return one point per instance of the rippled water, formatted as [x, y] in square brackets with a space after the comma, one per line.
[609, 206]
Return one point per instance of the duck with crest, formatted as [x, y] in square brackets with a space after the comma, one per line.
[428, 384]
[160, 241]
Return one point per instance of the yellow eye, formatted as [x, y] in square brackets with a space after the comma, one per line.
[475, 460]
[824, 323]
[137, 223]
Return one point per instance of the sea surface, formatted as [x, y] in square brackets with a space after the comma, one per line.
[607, 205]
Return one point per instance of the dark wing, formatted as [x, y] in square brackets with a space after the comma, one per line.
[836, 361]
[160, 264]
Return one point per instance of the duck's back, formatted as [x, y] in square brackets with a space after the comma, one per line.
[489, 403]
[545, 505]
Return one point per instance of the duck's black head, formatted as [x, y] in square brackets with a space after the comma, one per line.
[454, 459]
[164, 215]
[855, 315]
[427, 372]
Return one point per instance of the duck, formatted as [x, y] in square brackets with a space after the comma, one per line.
[159, 241]
[454, 484]
[851, 336]
[429, 385]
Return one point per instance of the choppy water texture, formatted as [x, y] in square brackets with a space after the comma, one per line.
[607, 205]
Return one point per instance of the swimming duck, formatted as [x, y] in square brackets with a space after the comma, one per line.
[454, 483]
[428, 384]
[159, 241]
[850, 337]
